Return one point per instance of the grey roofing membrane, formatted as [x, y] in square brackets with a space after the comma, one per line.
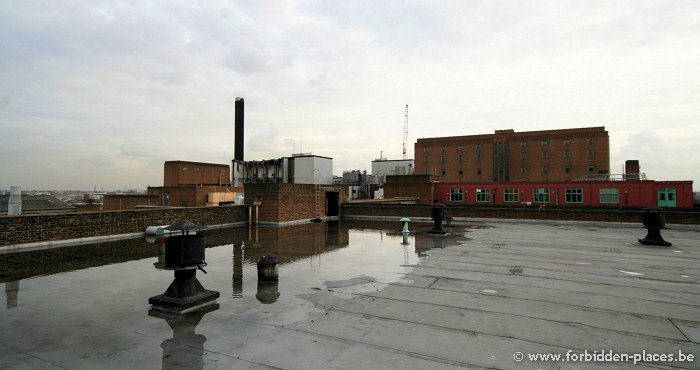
[492, 295]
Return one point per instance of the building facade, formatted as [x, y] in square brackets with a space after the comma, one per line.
[569, 193]
[506, 155]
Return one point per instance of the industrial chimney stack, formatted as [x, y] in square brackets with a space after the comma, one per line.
[238, 134]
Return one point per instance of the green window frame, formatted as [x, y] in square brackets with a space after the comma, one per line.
[456, 195]
[540, 195]
[609, 196]
[573, 195]
[511, 195]
[483, 195]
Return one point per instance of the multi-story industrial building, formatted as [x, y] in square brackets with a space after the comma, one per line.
[506, 155]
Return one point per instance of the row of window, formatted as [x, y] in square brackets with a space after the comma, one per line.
[523, 155]
[523, 144]
[539, 195]
[523, 170]
[185, 168]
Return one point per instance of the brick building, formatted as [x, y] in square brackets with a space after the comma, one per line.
[185, 184]
[179, 173]
[506, 155]
[418, 187]
[284, 203]
[119, 202]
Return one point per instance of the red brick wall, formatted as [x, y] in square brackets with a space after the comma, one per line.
[176, 173]
[118, 202]
[289, 202]
[407, 186]
[37, 228]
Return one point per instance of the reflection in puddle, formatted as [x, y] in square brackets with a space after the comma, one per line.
[185, 350]
[345, 258]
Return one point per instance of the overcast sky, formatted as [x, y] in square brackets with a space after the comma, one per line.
[102, 93]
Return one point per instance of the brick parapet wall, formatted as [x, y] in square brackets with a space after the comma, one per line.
[40, 228]
[673, 216]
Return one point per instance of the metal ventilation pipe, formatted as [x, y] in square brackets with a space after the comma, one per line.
[238, 134]
[14, 205]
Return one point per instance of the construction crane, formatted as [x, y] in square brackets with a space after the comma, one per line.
[405, 132]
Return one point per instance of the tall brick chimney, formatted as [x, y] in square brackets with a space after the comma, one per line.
[238, 134]
[632, 169]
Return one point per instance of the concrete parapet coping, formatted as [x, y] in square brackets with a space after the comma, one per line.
[50, 244]
[629, 225]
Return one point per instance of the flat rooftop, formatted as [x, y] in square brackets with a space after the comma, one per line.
[491, 292]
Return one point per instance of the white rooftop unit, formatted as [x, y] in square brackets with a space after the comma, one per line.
[312, 169]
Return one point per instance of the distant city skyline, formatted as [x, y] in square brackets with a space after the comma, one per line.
[103, 93]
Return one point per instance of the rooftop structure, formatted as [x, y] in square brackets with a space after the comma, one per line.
[303, 168]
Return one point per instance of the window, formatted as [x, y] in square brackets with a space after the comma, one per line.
[567, 141]
[523, 144]
[591, 169]
[442, 158]
[523, 169]
[590, 153]
[609, 195]
[574, 195]
[540, 195]
[589, 140]
[425, 149]
[478, 146]
[478, 157]
[545, 142]
[523, 155]
[184, 168]
[483, 195]
[461, 171]
[460, 148]
[567, 169]
[511, 195]
[460, 158]
[443, 148]
[545, 154]
[457, 195]
[196, 168]
[478, 171]
[567, 154]
[545, 169]
[443, 172]
[425, 159]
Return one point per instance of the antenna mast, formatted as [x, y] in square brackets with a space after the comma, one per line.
[405, 132]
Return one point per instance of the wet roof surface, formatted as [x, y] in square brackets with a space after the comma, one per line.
[353, 296]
